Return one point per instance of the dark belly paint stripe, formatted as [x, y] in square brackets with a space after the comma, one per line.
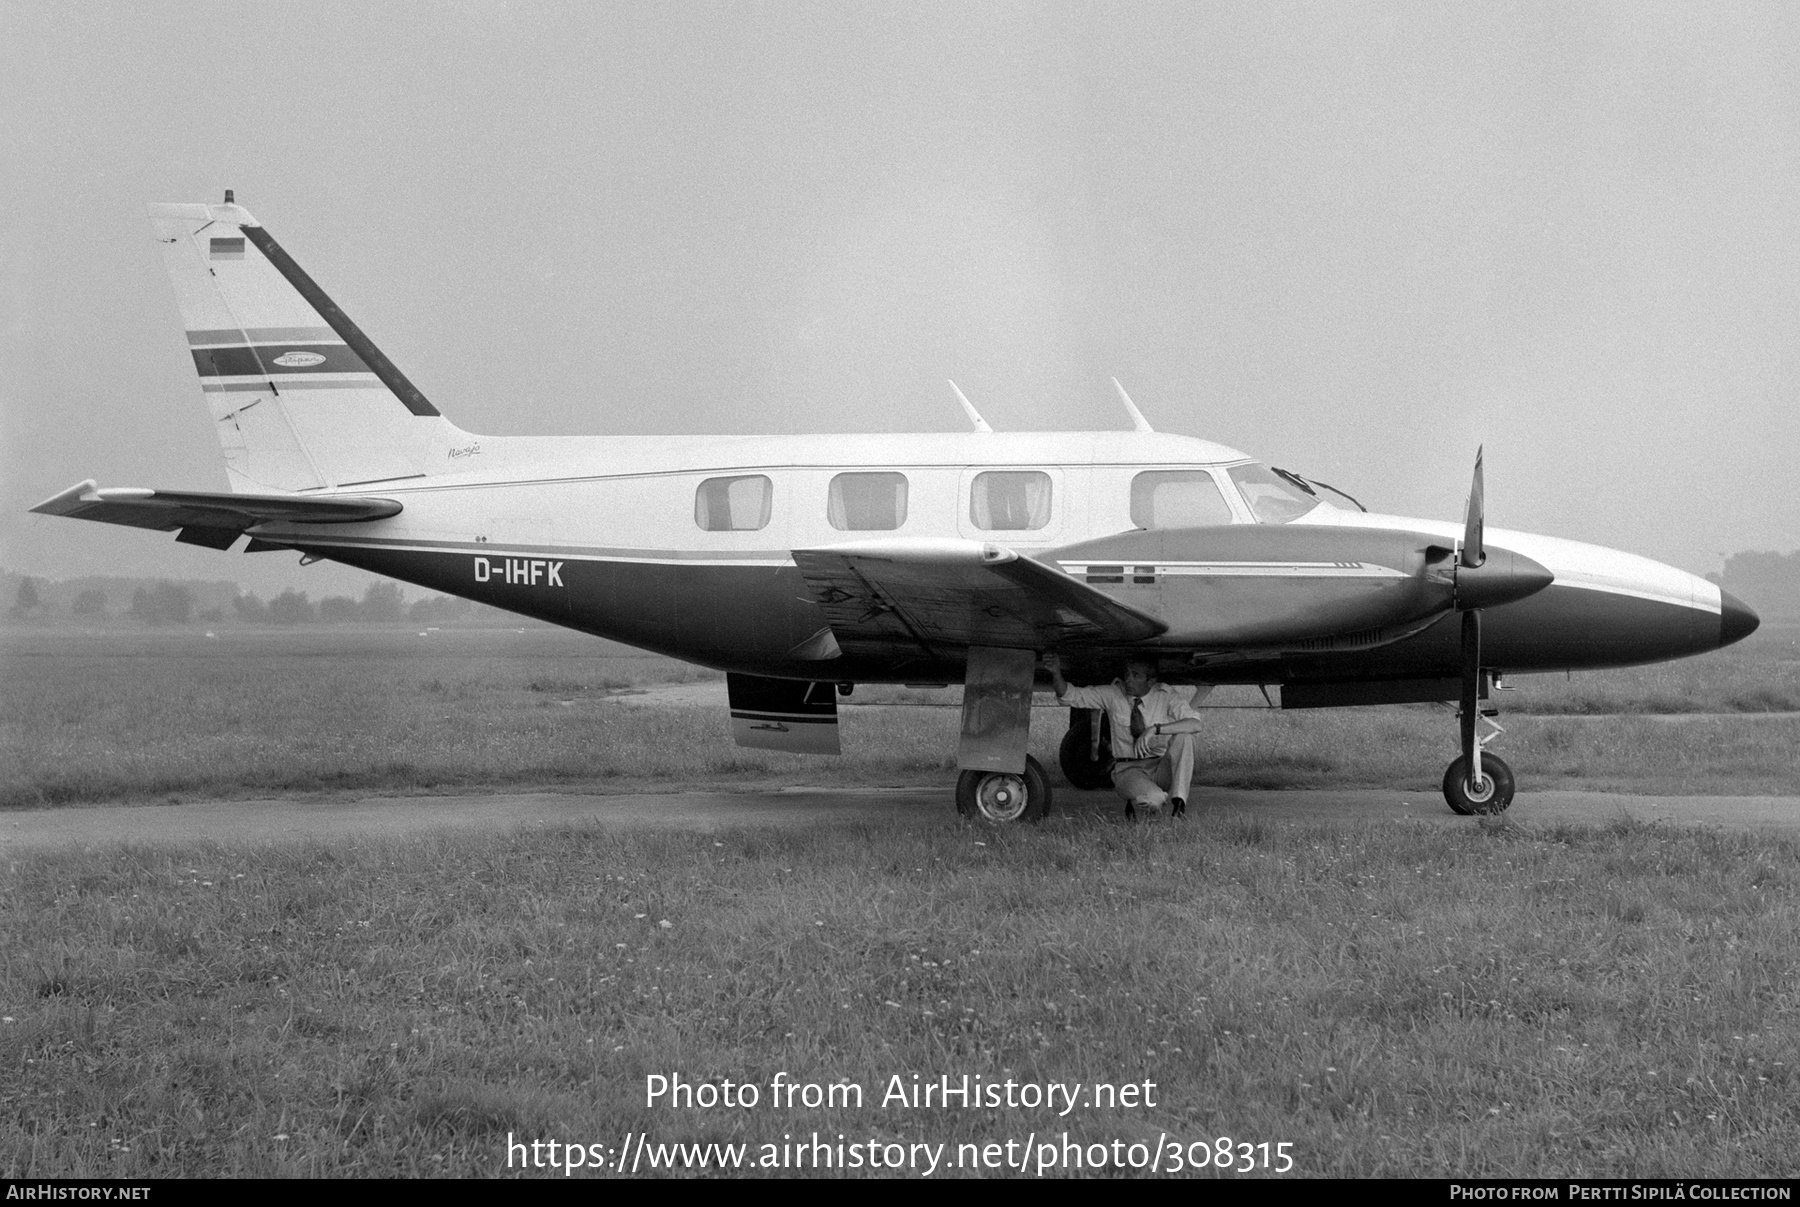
[747, 619]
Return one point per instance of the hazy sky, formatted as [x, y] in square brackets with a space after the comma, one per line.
[1353, 240]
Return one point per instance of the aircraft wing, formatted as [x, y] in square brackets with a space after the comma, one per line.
[205, 518]
[945, 594]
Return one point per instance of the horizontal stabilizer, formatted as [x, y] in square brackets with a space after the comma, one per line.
[947, 594]
[208, 513]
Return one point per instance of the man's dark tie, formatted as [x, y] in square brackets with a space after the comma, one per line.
[1137, 718]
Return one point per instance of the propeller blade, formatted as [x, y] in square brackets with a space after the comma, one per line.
[1471, 693]
[1473, 554]
[1523, 578]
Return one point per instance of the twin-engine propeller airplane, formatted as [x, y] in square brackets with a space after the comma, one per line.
[803, 565]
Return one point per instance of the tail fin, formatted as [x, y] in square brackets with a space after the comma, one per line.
[300, 398]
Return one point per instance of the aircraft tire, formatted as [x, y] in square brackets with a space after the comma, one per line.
[1495, 800]
[1072, 756]
[1001, 799]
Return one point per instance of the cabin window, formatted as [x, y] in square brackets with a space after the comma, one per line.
[1017, 501]
[733, 504]
[1273, 499]
[1179, 498]
[867, 502]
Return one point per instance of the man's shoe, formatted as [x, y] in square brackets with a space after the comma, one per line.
[1178, 807]
[1130, 811]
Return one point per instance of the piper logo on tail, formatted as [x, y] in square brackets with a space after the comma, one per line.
[299, 360]
[519, 571]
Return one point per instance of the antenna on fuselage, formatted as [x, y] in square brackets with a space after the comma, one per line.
[981, 425]
[1137, 417]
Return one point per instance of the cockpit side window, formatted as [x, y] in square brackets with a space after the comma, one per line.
[1273, 498]
[1177, 498]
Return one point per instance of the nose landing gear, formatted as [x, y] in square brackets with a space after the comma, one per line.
[1491, 791]
[1492, 796]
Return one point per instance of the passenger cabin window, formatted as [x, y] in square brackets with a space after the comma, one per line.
[738, 504]
[1179, 498]
[867, 502]
[1273, 499]
[1015, 501]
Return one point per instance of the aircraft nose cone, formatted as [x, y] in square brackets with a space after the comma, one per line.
[1736, 620]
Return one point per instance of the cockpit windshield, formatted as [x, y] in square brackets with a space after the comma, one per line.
[1274, 497]
[1328, 493]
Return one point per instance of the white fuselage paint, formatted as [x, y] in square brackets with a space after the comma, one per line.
[632, 499]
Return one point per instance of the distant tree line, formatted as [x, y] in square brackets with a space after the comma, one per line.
[164, 603]
[27, 601]
[161, 603]
[380, 604]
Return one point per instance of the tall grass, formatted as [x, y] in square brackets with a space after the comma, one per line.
[1392, 999]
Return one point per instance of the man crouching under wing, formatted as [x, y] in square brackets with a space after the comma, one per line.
[1153, 728]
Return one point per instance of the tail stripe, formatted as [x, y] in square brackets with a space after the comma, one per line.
[347, 331]
[277, 360]
[263, 335]
[265, 385]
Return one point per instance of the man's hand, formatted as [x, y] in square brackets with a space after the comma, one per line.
[1143, 744]
[1053, 663]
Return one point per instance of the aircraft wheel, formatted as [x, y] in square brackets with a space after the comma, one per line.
[1073, 756]
[1495, 796]
[1002, 799]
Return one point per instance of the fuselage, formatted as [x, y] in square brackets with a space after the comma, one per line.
[683, 545]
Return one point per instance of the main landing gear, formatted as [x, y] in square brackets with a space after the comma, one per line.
[1086, 752]
[1000, 783]
[1002, 797]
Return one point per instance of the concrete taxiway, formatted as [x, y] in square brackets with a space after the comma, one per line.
[321, 819]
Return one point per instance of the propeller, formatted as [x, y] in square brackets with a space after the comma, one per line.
[1472, 556]
[1472, 552]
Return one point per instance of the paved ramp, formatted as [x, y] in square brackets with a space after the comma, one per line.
[323, 819]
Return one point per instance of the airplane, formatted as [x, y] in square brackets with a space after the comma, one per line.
[802, 566]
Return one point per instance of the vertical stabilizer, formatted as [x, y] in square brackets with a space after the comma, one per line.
[300, 398]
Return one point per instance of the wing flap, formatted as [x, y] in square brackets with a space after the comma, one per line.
[137, 507]
[948, 594]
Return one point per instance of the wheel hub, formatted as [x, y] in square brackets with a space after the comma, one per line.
[1001, 797]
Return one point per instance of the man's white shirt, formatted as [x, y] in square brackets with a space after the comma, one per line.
[1164, 702]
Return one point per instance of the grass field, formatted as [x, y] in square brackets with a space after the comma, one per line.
[124, 716]
[1388, 1000]
[1500, 999]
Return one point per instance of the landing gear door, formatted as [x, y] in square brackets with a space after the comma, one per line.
[783, 714]
[996, 718]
